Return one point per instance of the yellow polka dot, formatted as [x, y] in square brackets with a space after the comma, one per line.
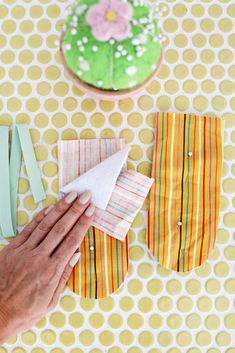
[52, 73]
[184, 304]
[145, 270]
[193, 321]
[193, 287]
[115, 119]
[50, 136]
[174, 321]
[106, 338]
[17, 42]
[219, 103]
[41, 323]
[212, 322]
[87, 134]
[6, 89]
[50, 169]
[76, 320]
[145, 102]
[212, 286]
[29, 203]
[145, 339]
[221, 303]
[221, 269]
[135, 119]
[135, 153]
[126, 105]
[126, 338]
[154, 87]
[29, 338]
[18, 350]
[107, 106]
[136, 253]
[145, 304]
[223, 339]
[107, 134]
[106, 304]
[229, 152]
[229, 321]
[155, 321]
[200, 103]
[165, 338]
[8, 26]
[173, 287]
[7, 57]
[115, 321]
[181, 40]
[87, 304]
[181, 103]
[22, 218]
[96, 320]
[57, 319]
[230, 286]
[39, 350]
[59, 120]
[229, 253]
[184, 338]
[97, 120]
[170, 25]
[3, 12]
[24, 89]
[67, 338]
[229, 219]
[204, 304]
[68, 303]
[203, 338]
[146, 136]
[88, 105]
[127, 135]
[154, 286]
[34, 73]
[79, 119]
[14, 105]
[48, 337]
[165, 304]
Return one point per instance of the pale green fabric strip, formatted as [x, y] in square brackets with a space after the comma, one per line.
[31, 163]
[15, 165]
[5, 199]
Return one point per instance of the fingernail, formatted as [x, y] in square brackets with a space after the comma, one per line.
[71, 197]
[85, 197]
[74, 259]
[90, 210]
[48, 210]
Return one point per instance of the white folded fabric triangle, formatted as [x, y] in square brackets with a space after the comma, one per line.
[101, 179]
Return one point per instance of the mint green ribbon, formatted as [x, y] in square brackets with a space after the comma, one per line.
[10, 173]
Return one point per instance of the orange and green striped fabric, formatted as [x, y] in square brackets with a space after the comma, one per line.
[184, 200]
[102, 270]
[103, 264]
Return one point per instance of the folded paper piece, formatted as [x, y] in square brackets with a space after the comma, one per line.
[101, 179]
[10, 172]
[103, 265]
[184, 201]
[127, 195]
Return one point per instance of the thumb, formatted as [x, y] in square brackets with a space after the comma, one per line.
[64, 279]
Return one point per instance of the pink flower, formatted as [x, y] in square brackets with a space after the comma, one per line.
[110, 19]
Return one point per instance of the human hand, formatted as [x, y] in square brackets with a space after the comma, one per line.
[36, 265]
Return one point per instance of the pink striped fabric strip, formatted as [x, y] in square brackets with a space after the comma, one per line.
[76, 157]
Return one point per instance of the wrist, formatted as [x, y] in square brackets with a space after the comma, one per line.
[4, 324]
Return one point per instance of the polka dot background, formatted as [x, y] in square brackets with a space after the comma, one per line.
[156, 310]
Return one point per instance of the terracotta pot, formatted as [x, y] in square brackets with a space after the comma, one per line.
[100, 93]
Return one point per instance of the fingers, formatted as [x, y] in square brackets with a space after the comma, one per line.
[66, 223]
[75, 237]
[64, 279]
[46, 224]
[25, 233]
